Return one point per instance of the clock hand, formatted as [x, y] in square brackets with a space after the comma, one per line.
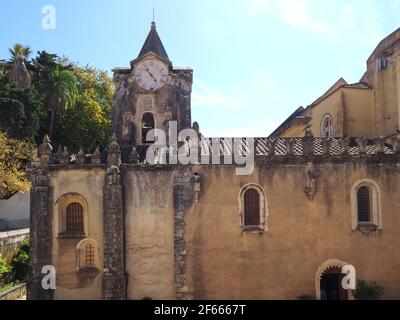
[151, 75]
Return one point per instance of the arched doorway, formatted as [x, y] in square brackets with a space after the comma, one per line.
[331, 285]
[329, 281]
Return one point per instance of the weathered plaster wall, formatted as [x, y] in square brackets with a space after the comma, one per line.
[89, 184]
[149, 233]
[303, 234]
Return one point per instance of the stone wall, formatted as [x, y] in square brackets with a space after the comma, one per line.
[11, 241]
[15, 293]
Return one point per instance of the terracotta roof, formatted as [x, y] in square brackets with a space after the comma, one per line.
[153, 44]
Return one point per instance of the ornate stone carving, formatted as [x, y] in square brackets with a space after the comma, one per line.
[308, 143]
[380, 145]
[81, 156]
[114, 153]
[362, 145]
[344, 146]
[311, 185]
[196, 179]
[134, 156]
[290, 142]
[63, 158]
[45, 150]
[96, 156]
[326, 146]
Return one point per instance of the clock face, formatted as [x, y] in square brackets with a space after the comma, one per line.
[151, 74]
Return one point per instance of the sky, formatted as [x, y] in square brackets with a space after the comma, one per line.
[255, 61]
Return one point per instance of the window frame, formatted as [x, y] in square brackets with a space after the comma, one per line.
[325, 129]
[375, 204]
[142, 136]
[263, 210]
[60, 224]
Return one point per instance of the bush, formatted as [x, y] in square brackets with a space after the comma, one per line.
[5, 270]
[20, 263]
[368, 291]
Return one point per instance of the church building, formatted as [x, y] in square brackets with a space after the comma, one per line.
[323, 195]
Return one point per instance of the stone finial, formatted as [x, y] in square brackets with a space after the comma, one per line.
[114, 146]
[81, 156]
[45, 150]
[396, 144]
[362, 145]
[308, 143]
[134, 156]
[290, 142]
[272, 146]
[96, 156]
[64, 156]
[326, 146]
[114, 152]
[344, 146]
[380, 145]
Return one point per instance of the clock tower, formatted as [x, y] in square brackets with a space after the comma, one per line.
[149, 95]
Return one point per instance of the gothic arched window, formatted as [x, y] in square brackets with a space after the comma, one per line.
[74, 218]
[327, 127]
[148, 124]
[253, 209]
[366, 212]
[364, 204]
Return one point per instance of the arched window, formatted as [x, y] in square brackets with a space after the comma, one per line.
[366, 212]
[147, 125]
[88, 260]
[253, 209]
[327, 127]
[363, 204]
[89, 255]
[74, 218]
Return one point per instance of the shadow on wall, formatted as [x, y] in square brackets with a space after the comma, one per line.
[14, 212]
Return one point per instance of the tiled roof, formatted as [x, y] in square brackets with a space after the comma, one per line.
[153, 44]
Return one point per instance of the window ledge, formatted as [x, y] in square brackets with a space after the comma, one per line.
[367, 228]
[87, 272]
[66, 235]
[253, 230]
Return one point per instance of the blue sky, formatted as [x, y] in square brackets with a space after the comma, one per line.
[254, 61]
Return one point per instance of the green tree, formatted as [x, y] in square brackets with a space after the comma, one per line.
[87, 123]
[14, 154]
[59, 93]
[21, 110]
[19, 74]
[20, 263]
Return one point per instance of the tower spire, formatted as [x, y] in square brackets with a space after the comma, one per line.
[153, 44]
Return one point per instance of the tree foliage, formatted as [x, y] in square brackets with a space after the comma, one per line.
[14, 154]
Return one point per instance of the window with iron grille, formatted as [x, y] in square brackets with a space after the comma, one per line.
[252, 208]
[89, 255]
[364, 204]
[75, 218]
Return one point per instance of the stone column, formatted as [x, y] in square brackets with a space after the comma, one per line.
[41, 225]
[114, 276]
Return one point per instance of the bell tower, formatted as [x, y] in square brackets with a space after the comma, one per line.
[149, 95]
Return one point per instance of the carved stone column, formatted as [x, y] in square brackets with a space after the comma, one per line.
[114, 276]
[41, 225]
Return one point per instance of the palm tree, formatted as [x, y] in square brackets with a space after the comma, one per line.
[19, 73]
[60, 92]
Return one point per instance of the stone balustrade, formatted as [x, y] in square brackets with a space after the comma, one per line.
[264, 148]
